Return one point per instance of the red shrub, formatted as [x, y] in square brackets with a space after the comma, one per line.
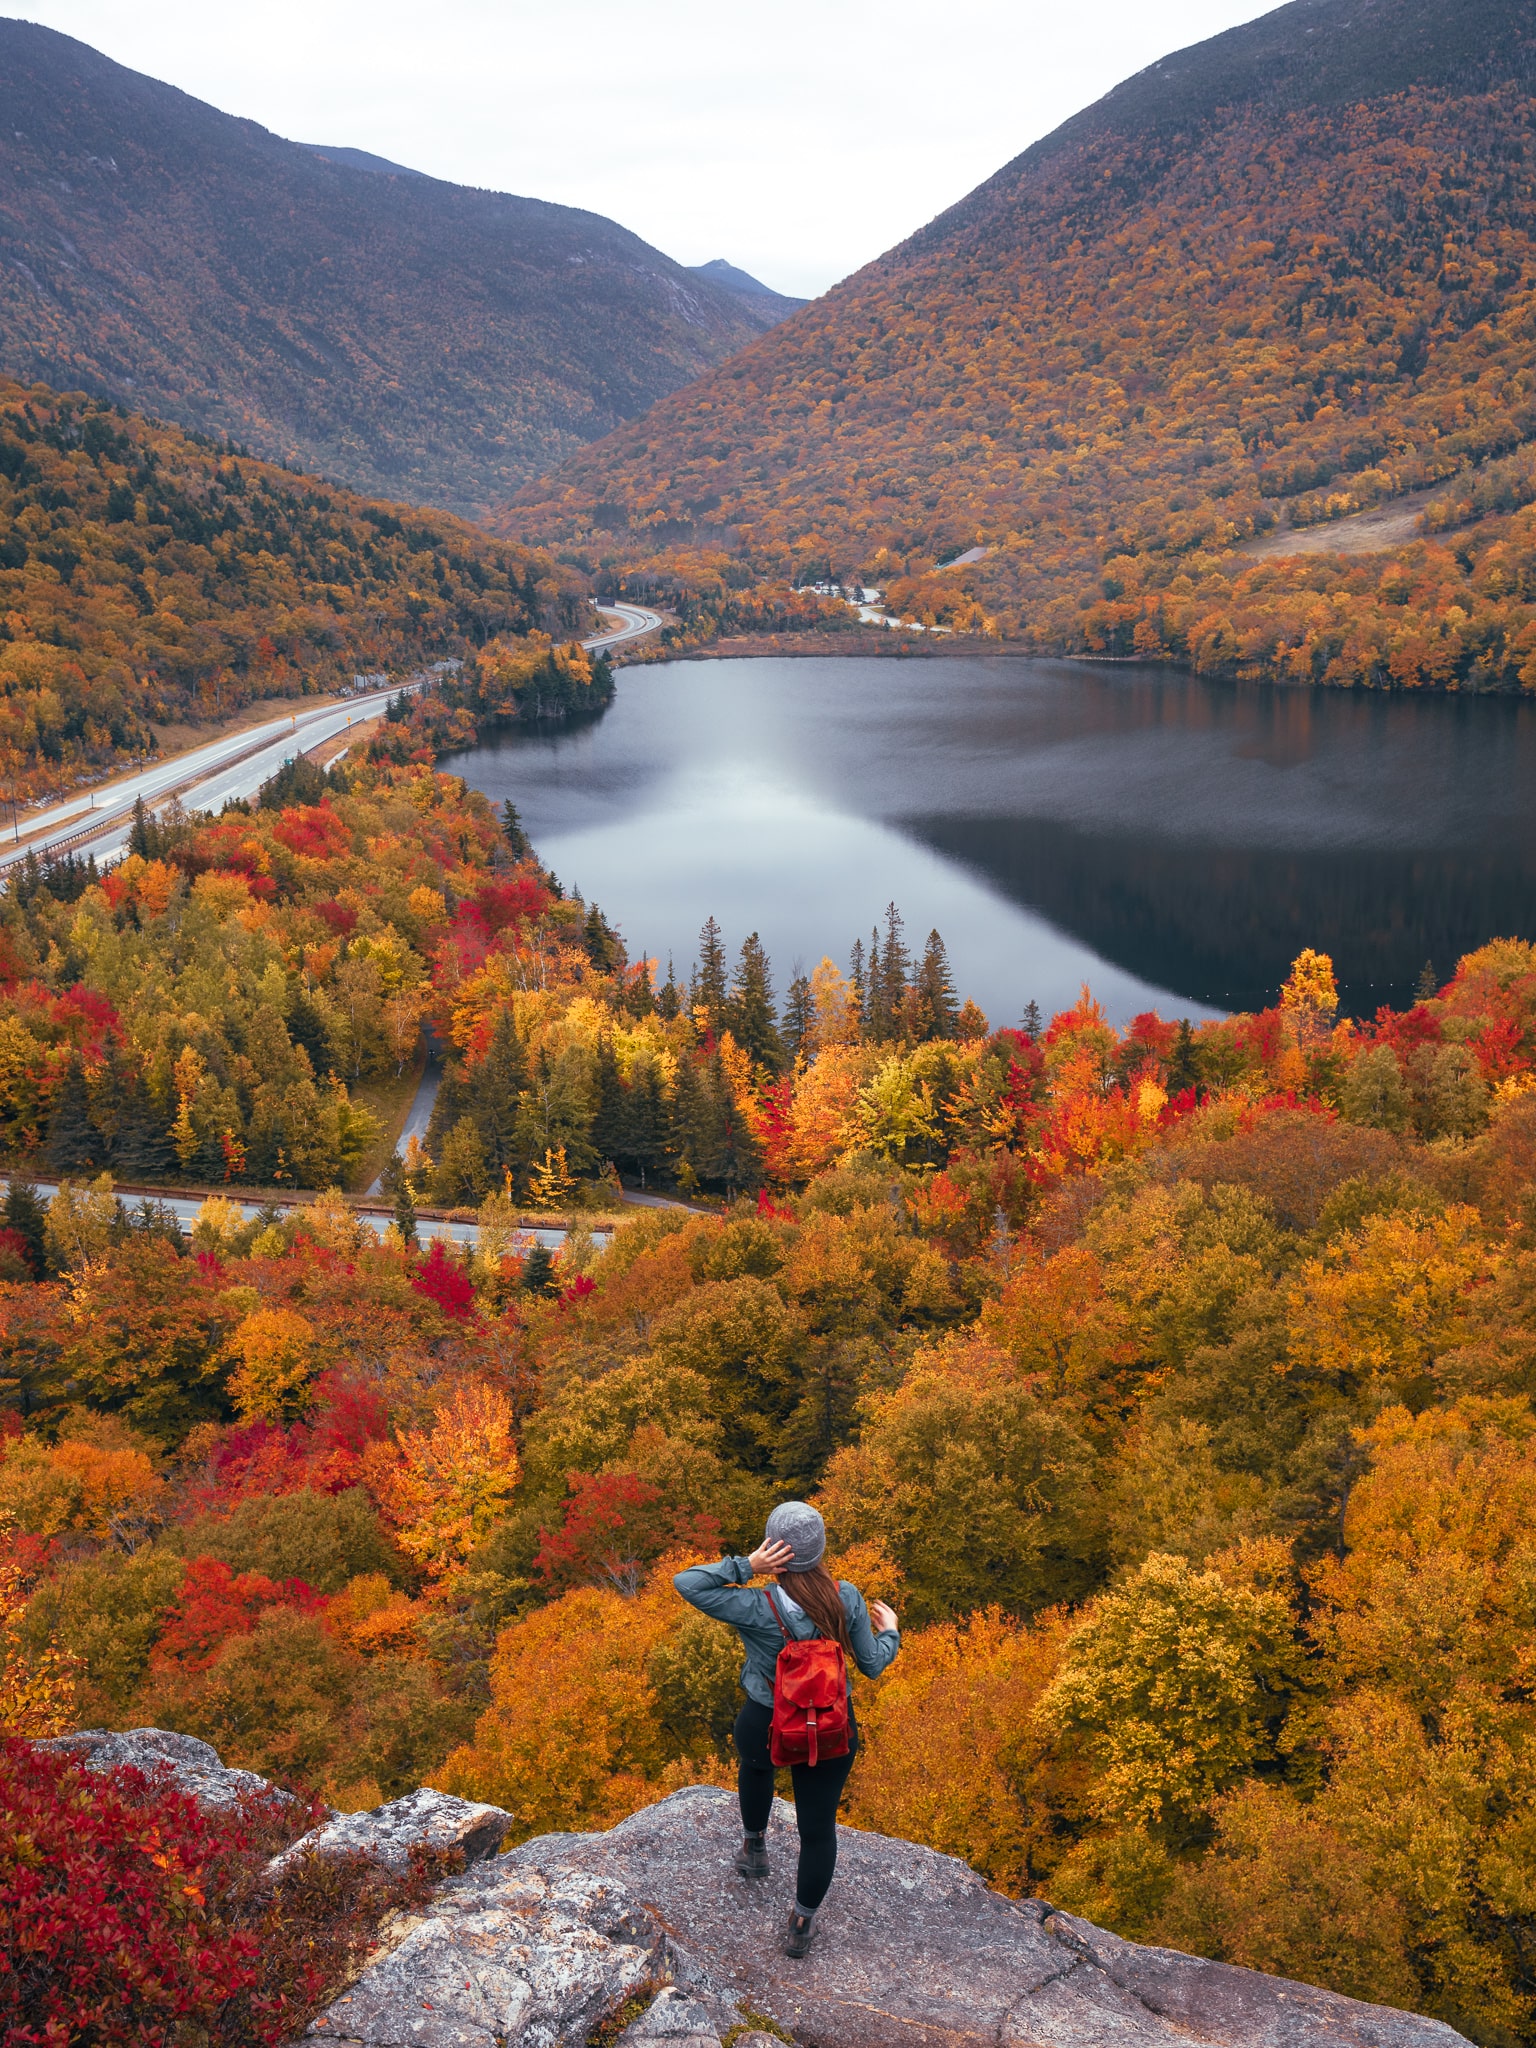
[442, 1278]
[116, 1897]
[130, 1919]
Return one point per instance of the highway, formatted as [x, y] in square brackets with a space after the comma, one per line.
[236, 764]
[634, 622]
[185, 1207]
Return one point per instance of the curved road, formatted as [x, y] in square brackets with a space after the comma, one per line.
[634, 623]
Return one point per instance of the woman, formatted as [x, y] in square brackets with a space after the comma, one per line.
[809, 1602]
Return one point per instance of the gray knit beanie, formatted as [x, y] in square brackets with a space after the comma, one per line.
[797, 1523]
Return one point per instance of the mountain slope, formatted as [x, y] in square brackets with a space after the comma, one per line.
[1277, 278]
[402, 335]
[146, 576]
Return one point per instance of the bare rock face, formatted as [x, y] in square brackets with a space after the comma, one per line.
[191, 1766]
[422, 1819]
[914, 1948]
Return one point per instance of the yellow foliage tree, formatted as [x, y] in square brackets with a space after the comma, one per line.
[275, 1347]
[453, 1481]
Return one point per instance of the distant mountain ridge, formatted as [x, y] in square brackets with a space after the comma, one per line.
[1272, 280]
[404, 336]
[730, 279]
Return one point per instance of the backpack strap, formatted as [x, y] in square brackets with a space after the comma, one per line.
[783, 1631]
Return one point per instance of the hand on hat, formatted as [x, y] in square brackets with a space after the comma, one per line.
[771, 1557]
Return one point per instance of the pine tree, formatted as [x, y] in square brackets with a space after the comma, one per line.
[1183, 1062]
[144, 836]
[895, 972]
[799, 1016]
[451, 1102]
[24, 1213]
[750, 1013]
[691, 1131]
[644, 1135]
[512, 831]
[669, 997]
[74, 1143]
[1428, 984]
[539, 1271]
[494, 1098]
[639, 996]
[708, 989]
[602, 942]
[937, 1008]
[857, 979]
[405, 1211]
[1031, 1020]
[610, 1119]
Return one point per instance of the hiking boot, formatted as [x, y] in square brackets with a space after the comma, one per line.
[752, 1857]
[797, 1934]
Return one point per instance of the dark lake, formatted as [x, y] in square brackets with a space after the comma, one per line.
[1170, 841]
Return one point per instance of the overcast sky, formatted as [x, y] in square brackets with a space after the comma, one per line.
[796, 141]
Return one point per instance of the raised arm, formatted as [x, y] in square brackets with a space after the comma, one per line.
[720, 1590]
[871, 1652]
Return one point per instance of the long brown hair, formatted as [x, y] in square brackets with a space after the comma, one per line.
[816, 1591]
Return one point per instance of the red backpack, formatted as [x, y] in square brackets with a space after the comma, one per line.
[810, 1699]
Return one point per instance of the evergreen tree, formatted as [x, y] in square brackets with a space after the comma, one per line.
[691, 1132]
[895, 973]
[26, 1214]
[497, 1093]
[450, 1103]
[610, 1120]
[708, 989]
[143, 833]
[539, 1271]
[74, 1143]
[602, 942]
[306, 1027]
[644, 1137]
[405, 1205]
[1428, 985]
[799, 1015]
[141, 1148]
[669, 997]
[750, 1014]
[734, 1159]
[937, 1008]
[639, 996]
[857, 978]
[512, 831]
[1031, 1020]
[1183, 1061]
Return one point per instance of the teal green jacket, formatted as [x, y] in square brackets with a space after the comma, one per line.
[723, 1591]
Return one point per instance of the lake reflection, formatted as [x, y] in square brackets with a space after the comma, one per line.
[1170, 841]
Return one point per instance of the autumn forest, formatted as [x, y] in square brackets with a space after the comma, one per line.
[404, 1271]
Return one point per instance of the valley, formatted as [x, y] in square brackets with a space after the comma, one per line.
[636, 905]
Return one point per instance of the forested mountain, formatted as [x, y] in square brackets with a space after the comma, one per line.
[406, 336]
[146, 574]
[1277, 278]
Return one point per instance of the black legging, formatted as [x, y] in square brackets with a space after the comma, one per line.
[818, 1788]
